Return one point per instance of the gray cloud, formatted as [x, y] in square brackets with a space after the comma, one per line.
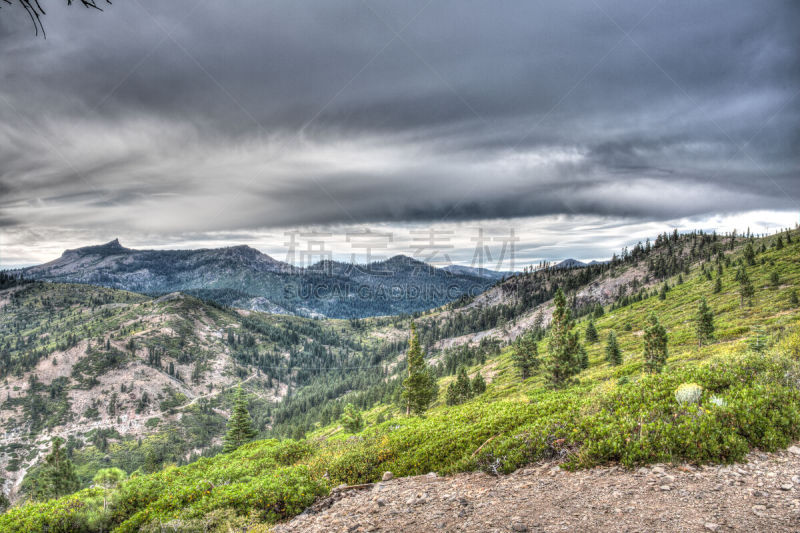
[167, 118]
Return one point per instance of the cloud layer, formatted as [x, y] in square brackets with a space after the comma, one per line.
[177, 118]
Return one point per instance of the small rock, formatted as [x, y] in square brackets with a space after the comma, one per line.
[387, 476]
[519, 527]
[711, 526]
[665, 488]
[794, 450]
[786, 486]
[657, 470]
[759, 510]
[432, 475]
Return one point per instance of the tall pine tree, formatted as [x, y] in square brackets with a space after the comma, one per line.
[240, 427]
[655, 346]
[746, 290]
[613, 353]
[704, 322]
[526, 355]
[57, 477]
[591, 333]
[564, 359]
[419, 387]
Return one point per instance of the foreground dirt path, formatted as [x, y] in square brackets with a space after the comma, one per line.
[762, 495]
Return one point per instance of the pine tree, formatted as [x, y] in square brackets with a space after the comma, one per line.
[564, 356]
[460, 390]
[775, 279]
[591, 333]
[746, 290]
[704, 322]
[478, 384]
[419, 387]
[662, 294]
[655, 346]
[239, 427]
[108, 479]
[613, 353]
[526, 355]
[352, 421]
[57, 477]
[779, 243]
[749, 254]
[583, 357]
[793, 300]
[718, 285]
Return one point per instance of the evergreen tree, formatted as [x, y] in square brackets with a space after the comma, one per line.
[108, 479]
[613, 353]
[478, 384]
[598, 311]
[526, 355]
[583, 357]
[564, 354]
[775, 279]
[57, 476]
[460, 390]
[352, 421]
[591, 333]
[749, 254]
[239, 427]
[746, 290]
[718, 285]
[779, 243]
[655, 346]
[662, 294]
[793, 300]
[419, 387]
[704, 322]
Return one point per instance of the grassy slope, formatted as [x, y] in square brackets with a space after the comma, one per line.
[613, 414]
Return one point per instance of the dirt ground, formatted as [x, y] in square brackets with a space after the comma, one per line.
[761, 495]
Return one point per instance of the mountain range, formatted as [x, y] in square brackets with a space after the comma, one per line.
[243, 277]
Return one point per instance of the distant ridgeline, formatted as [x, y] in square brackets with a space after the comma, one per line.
[243, 277]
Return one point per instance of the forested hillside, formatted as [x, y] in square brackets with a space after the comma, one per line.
[684, 348]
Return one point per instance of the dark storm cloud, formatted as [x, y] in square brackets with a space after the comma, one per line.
[171, 117]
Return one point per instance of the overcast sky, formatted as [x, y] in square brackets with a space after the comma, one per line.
[582, 126]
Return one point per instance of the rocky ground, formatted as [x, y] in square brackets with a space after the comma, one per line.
[762, 494]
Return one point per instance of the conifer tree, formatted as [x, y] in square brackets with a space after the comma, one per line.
[793, 298]
[749, 254]
[57, 477]
[564, 355]
[718, 285]
[655, 346]
[598, 311]
[526, 355]
[460, 390]
[775, 278]
[239, 427]
[591, 333]
[662, 294]
[704, 322]
[583, 357]
[613, 353]
[352, 421]
[779, 243]
[419, 387]
[746, 290]
[478, 384]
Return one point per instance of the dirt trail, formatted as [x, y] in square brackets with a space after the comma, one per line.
[760, 495]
